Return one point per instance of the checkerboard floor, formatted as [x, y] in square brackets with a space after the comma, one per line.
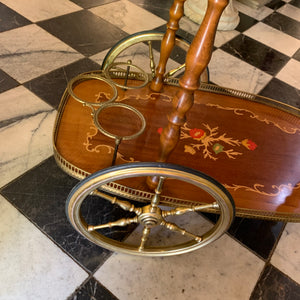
[43, 44]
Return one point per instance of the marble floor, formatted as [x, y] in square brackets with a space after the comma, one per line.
[43, 44]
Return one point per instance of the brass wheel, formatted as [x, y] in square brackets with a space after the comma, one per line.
[142, 49]
[173, 236]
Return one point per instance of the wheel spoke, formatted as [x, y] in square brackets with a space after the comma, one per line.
[173, 71]
[156, 198]
[174, 227]
[120, 222]
[152, 62]
[182, 210]
[126, 205]
[145, 236]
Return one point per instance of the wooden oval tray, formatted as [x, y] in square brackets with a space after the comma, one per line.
[248, 143]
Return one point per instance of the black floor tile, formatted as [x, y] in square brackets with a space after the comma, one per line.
[256, 54]
[295, 3]
[275, 4]
[92, 290]
[297, 55]
[284, 24]
[6, 82]
[92, 3]
[275, 285]
[40, 195]
[84, 31]
[278, 90]
[245, 22]
[157, 7]
[9, 19]
[50, 87]
[259, 235]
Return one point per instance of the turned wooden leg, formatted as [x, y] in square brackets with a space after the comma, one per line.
[197, 60]
[167, 44]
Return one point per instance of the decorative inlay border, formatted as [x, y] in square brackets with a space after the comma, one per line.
[258, 188]
[241, 112]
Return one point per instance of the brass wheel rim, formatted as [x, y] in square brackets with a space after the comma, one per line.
[143, 37]
[92, 183]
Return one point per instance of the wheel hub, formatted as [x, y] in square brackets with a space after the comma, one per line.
[150, 216]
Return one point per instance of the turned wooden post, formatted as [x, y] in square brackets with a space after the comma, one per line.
[167, 44]
[197, 59]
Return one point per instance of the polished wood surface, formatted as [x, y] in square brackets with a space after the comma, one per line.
[251, 147]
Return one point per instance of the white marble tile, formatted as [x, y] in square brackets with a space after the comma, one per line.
[290, 73]
[229, 71]
[98, 58]
[208, 273]
[290, 11]
[38, 10]
[287, 253]
[28, 52]
[258, 14]
[274, 38]
[223, 37]
[128, 16]
[26, 124]
[31, 265]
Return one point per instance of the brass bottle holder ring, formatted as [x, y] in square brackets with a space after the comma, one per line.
[118, 73]
[83, 77]
[118, 139]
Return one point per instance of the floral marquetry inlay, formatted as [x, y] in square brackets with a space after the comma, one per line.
[212, 143]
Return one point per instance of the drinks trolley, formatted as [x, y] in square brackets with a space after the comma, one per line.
[160, 146]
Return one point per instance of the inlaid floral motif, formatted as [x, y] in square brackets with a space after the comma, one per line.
[212, 143]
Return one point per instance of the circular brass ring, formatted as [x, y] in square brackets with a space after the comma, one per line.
[113, 136]
[83, 77]
[120, 73]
